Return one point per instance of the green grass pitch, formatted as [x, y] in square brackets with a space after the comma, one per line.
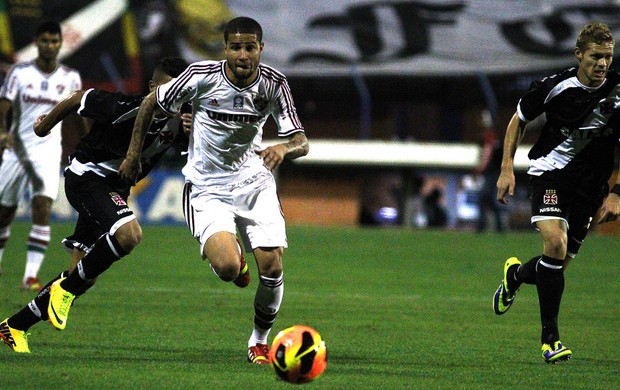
[398, 308]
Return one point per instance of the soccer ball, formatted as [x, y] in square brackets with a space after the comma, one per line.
[298, 354]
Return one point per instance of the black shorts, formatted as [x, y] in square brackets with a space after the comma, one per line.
[101, 204]
[551, 200]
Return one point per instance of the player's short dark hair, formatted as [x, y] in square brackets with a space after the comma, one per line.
[48, 26]
[595, 32]
[243, 25]
[172, 66]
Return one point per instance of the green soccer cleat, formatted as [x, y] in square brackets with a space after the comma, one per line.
[59, 305]
[14, 338]
[555, 353]
[503, 298]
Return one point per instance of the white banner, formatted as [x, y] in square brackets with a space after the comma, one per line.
[316, 37]
[422, 38]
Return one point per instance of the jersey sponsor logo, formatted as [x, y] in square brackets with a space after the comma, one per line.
[38, 100]
[243, 118]
[550, 197]
[549, 210]
[44, 85]
[238, 102]
[117, 199]
[123, 211]
[213, 102]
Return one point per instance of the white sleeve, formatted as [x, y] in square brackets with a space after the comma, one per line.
[179, 90]
[11, 85]
[286, 117]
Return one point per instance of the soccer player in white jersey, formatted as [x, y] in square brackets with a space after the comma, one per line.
[31, 163]
[229, 186]
[570, 166]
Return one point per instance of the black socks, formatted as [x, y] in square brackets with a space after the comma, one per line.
[527, 272]
[102, 255]
[550, 286]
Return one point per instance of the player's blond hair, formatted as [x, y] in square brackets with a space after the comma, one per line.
[595, 32]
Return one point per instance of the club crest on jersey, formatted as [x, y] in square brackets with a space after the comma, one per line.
[260, 102]
[165, 137]
[117, 199]
[238, 102]
[60, 88]
[550, 197]
[185, 92]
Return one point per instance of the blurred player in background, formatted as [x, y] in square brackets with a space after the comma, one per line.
[229, 185]
[106, 229]
[31, 163]
[489, 169]
[570, 166]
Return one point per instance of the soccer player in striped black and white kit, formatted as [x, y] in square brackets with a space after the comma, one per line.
[229, 182]
[106, 229]
[31, 163]
[570, 166]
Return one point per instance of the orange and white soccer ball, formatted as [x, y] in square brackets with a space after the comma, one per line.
[298, 354]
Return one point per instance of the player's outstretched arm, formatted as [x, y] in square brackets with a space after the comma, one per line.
[130, 168]
[506, 180]
[297, 146]
[6, 139]
[44, 124]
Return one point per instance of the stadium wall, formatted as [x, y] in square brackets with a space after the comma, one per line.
[308, 196]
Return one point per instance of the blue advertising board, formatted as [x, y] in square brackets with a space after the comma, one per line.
[155, 199]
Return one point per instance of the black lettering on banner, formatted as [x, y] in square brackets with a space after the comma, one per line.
[560, 28]
[416, 18]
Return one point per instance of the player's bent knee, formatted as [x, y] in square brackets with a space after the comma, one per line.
[556, 244]
[226, 271]
[129, 235]
[269, 261]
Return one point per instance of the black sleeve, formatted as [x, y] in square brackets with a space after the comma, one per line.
[107, 106]
[532, 104]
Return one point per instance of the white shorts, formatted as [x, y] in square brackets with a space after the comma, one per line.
[251, 208]
[39, 177]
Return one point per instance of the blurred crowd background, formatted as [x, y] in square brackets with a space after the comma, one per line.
[411, 72]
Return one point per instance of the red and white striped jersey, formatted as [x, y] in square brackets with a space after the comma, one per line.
[228, 121]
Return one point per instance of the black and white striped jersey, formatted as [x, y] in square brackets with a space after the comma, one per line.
[577, 143]
[103, 149]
